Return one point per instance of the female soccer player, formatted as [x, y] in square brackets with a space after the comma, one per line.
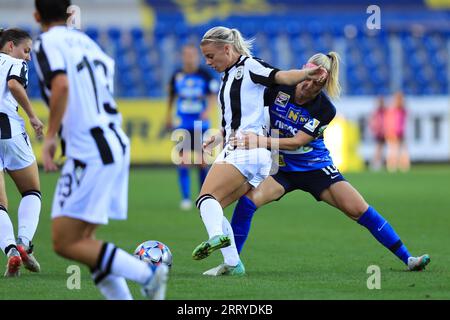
[93, 186]
[16, 155]
[193, 89]
[241, 98]
[301, 114]
[395, 119]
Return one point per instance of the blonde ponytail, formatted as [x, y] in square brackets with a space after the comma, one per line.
[230, 36]
[330, 62]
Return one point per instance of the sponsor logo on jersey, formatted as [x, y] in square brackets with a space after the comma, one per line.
[281, 162]
[293, 115]
[312, 125]
[282, 99]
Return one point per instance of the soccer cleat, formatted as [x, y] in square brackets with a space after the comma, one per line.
[226, 270]
[205, 248]
[186, 204]
[418, 263]
[156, 285]
[29, 261]
[13, 265]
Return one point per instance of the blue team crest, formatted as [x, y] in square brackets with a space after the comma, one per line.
[282, 99]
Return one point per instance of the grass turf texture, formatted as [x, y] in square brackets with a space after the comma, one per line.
[297, 249]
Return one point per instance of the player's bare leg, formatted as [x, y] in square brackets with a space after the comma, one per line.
[75, 239]
[7, 239]
[222, 180]
[27, 182]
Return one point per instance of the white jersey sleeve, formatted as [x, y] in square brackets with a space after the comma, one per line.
[50, 60]
[19, 72]
[261, 72]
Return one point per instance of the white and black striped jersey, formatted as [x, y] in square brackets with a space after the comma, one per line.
[11, 124]
[241, 95]
[91, 117]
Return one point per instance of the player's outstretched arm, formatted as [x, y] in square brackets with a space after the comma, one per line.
[58, 105]
[252, 140]
[295, 76]
[19, 93]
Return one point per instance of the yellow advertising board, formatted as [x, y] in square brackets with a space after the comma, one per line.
[143, 122]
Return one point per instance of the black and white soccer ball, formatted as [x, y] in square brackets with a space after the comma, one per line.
[154, 252]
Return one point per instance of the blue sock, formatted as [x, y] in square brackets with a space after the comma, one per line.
[202, 172]
[241, 221]
[384, 233]
[184, 181]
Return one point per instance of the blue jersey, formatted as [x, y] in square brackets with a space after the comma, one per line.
[191, 91]
[312, 118]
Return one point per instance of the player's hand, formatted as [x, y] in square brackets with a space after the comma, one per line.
[317, 73]
[48, 153]
[38, 126]
[211, 143]
[208, 145]
[245, 140]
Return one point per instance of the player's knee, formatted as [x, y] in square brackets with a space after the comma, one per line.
[59, 248]
[351, 210]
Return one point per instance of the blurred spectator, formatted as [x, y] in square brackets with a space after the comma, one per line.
[377, 128]
[193, 90]
[394, 125]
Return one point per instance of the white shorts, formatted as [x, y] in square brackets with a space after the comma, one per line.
[16, 153]
[254, 164]
[93, 192]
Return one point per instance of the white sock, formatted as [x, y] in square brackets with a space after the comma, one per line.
[230, 253]
[212, 215]
[114, 288]
[122, 264]
[6, 230]
[29, 210]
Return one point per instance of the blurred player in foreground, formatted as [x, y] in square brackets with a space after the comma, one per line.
[75, 77]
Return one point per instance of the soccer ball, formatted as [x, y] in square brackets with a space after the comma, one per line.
[154, 252]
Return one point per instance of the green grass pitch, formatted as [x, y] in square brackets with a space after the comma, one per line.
[297, 249]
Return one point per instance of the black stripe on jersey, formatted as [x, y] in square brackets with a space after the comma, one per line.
[102, 145]
[80, 66]
[235, 99]
[222, 101]
[265, 81]
[5, 126]
[44, 65]
[113, 128]
[22, 81]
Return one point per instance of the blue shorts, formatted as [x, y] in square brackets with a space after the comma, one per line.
[314, 182]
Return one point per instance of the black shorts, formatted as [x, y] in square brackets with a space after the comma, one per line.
[314, 182]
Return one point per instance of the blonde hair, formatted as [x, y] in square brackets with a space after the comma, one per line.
[330, 62]
[231, 36]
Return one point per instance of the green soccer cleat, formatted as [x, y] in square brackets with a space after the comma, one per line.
[226, 270]
[418, 263]
[205, 248]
